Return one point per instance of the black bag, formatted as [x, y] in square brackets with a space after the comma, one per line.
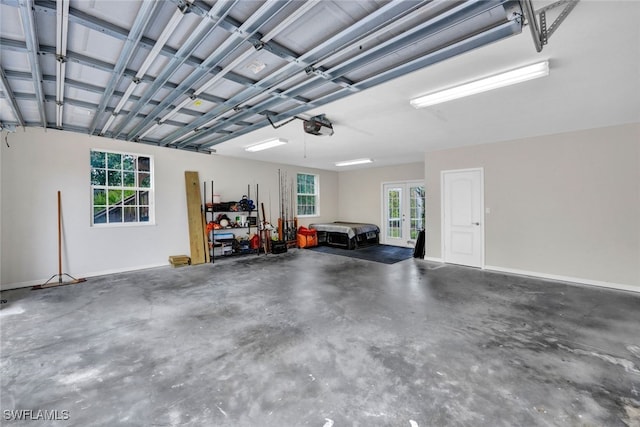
[278, 246]
[419, 250]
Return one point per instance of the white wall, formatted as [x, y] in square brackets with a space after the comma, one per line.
[39, 163]
[562, 205]
[360, 195]
[2, 180]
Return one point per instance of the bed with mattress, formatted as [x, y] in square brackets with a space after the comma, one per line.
[347, 234]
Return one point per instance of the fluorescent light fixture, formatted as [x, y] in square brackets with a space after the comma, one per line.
[155, 51]
[162, 40]
[62, 28]
[306, 6]
[59, 108]
[61, 68]
[112, 117]
[186, 135]
[246, 54]
[125, 97]
[354, 162]
[148, 131]
[176, 109]
[518, 75]
[270, 143]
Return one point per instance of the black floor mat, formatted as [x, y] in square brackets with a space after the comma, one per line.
[379, 253]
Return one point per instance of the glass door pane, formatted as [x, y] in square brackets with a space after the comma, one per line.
[394, 213]
[416, 211]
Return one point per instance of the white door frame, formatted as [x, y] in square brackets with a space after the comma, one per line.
[482, 220]
[383, 222]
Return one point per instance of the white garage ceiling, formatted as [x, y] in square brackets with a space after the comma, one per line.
[228, 65]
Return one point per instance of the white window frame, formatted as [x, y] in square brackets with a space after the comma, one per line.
[316, 194]
[136, 188]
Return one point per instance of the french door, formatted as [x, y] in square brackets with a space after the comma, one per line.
[403, 212]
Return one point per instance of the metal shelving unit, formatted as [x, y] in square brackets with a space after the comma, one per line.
[252, 223]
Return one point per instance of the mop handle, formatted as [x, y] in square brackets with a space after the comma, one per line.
[59, 237]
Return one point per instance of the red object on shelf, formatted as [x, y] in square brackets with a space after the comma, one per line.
[254, 242]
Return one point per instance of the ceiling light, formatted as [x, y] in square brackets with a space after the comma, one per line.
[518, 75]
[354, 162]
[270, 143]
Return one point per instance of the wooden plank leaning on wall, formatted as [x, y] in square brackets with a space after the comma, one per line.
[197, 242]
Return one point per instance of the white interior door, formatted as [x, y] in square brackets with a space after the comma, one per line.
[463, 225]
[404, 213]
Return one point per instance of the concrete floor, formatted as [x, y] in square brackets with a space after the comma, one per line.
[314, 339]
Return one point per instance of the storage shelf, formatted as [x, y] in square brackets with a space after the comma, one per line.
[228, 229]
[250, 219]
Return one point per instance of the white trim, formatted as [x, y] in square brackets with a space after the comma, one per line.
[28, 284]
[433, 259]
[317, 194]
[482, 228]
[442, 252]
[150, 190]
[575, 280]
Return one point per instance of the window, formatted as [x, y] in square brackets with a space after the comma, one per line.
[121, 188]
[308, 195]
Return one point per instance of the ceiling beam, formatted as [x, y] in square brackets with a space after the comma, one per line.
[200, 8]
[4, 85]
[480, 40]
[19, 46]
[256, 45]
[232, 43]
[203, 30]
[378, 19]
[96, 24]
[31, 37]
[62, 28]
[537, 20]
[453, 16]
[231, 25]
[48, 78]
[90, 106]
[140, 23]
[168, 30]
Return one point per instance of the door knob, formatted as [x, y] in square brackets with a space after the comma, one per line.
[475, 223]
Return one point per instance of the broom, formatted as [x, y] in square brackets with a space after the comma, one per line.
[49, 283]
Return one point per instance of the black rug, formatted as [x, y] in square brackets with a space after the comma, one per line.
[378, 253]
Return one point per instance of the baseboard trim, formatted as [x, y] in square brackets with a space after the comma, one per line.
[30, 283]
[19, 285]
[609, 285]
[576, 280]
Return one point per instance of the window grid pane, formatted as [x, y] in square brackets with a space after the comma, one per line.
[417, 210]
[121, 185]
[394, 223]
[307, 194]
